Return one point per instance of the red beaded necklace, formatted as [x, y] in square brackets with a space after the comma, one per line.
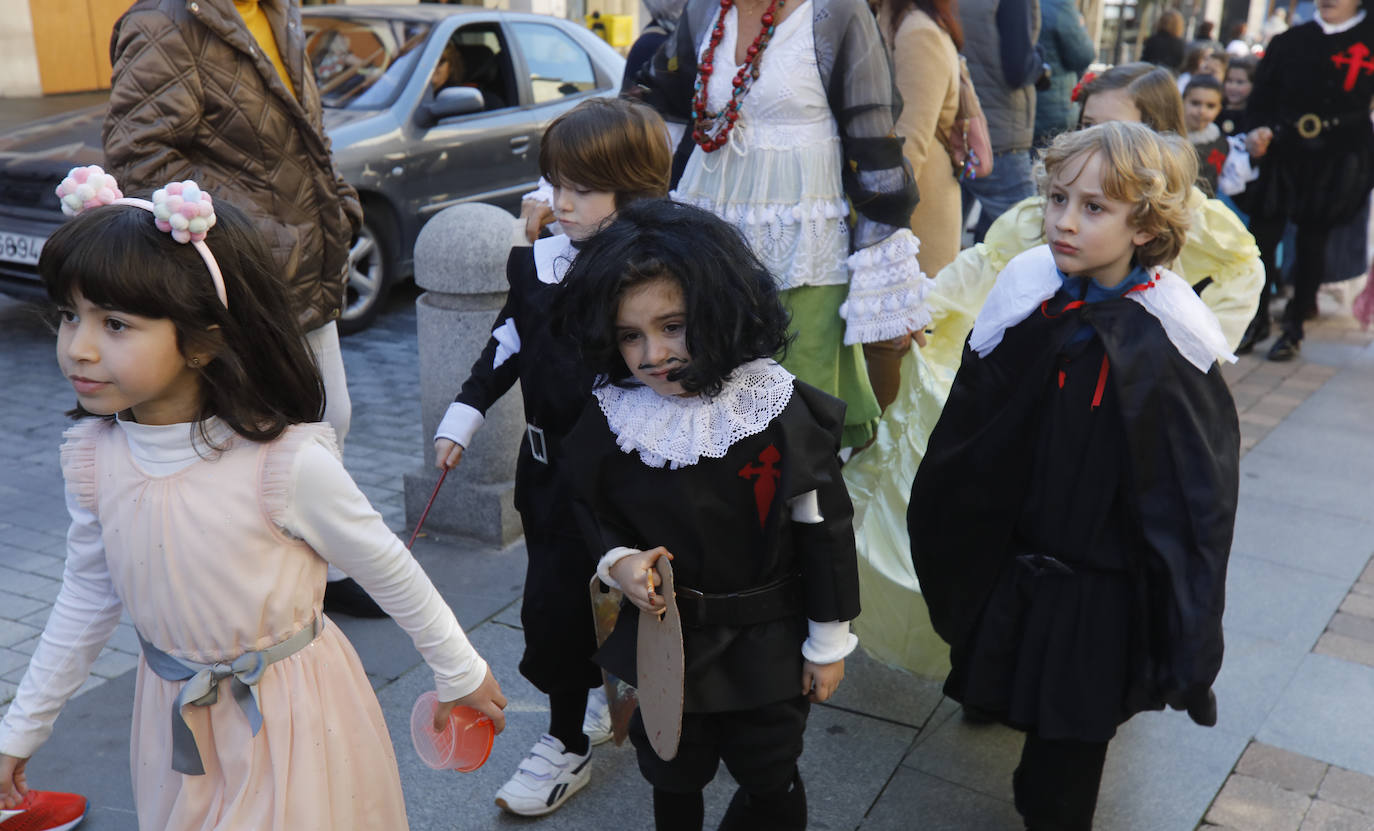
[712, 130]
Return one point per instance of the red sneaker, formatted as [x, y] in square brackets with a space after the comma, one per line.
[45, 811]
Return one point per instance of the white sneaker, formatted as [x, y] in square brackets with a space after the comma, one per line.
[597, 722]
[545, 779]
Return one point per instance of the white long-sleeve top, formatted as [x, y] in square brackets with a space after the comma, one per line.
[325, 509]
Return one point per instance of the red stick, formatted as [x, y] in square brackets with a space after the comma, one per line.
[428, 505]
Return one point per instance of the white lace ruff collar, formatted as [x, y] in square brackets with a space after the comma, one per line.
[553, 257]
[679, 431]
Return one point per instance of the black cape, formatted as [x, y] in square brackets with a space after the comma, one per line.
[1177, 486]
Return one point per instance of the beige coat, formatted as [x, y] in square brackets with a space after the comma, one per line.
[926, 68]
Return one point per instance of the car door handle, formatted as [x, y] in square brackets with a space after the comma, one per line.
[519, 144]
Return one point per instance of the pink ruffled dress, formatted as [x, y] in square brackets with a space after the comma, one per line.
[206, 572]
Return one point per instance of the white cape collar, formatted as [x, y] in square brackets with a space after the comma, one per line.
[679, 431]
[1031, 278]
[553, 257]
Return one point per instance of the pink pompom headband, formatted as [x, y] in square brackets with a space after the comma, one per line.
[181, 208]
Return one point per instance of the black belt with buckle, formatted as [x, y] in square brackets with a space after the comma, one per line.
[1311, 125]
[775, 601]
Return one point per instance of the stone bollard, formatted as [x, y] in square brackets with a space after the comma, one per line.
[460, 262]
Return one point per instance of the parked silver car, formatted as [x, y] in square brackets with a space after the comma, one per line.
[426, 106]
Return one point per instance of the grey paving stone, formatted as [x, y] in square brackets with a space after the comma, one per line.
[1358, 603]
[1331, 488]
[1309, 600]
[1325, 714]
[1274, 530]
[112, 664]
[1254, 673]
[1353, 626]
[12, 632]
[980, 757]
[11, 660]
[1255, 805]
[910, 798]
[1284, 768]
[876, 690]
[1327, 816]
[1162, 772]
[1348, 788]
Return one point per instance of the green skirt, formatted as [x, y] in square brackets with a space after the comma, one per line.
[819, 357]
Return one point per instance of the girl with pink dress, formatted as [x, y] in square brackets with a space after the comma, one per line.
[205, 497]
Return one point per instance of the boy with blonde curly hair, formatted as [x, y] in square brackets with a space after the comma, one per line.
[1071, 521]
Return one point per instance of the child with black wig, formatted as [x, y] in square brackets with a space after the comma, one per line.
[700, 447]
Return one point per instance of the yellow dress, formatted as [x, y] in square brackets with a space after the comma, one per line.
[894, 626]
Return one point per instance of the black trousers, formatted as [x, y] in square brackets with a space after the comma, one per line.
[760, 748]
[1308, 272]
[560, 634]
[1056, 783]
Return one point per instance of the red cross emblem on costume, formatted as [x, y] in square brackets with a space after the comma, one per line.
[765, 474]
[1216, 159]
[1355, 60]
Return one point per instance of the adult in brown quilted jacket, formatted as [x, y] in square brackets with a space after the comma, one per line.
[194, 97]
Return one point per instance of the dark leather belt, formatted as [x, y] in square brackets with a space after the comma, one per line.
[775, 601]
[1311, 125]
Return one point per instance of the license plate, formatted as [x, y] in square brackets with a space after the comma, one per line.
[20, 248]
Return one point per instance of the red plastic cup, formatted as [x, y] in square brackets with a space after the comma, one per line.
[463, 745]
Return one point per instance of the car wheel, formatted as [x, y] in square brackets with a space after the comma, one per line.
[370, 269]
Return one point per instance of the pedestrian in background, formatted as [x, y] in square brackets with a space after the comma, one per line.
[1165, 47]
[1068, 50]
[220, 91]
[999, 43]
[663, 15]
[924, 38]
[789, 112]
[1310, 110]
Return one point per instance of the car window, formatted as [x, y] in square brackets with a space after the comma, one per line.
[477, 57]
[558, 66]
[362, 63]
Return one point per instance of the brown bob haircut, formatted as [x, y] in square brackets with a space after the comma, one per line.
[609, 144]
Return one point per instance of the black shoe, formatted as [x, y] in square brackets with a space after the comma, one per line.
[1257, 331]
[346, 597]
[977, 716]
[1286, 348]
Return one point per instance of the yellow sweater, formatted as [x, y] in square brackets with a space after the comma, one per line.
[261, 30]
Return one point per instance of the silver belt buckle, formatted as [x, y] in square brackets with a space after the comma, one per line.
[539, 449]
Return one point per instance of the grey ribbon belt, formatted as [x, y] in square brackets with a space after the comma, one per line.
[202, 687]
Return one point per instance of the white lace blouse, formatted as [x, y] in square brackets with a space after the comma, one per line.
[778, 180]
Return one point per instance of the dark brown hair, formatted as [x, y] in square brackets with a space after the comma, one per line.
[609, 144]
[262, 378]
[943, 12]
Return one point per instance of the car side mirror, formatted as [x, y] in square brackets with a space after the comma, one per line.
[450, 102]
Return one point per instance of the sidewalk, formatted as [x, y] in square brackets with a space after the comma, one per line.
[1293, 748]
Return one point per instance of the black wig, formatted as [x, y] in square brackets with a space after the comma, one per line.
[262, 377]
[733, 311]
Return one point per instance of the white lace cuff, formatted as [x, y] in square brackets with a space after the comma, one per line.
[459, 424]
[887, 291]
[828, 642]
[610, 558]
